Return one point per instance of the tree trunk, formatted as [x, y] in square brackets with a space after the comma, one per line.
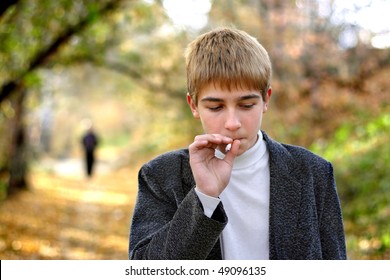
[17, 159]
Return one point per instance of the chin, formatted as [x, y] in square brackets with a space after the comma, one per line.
[241, 151]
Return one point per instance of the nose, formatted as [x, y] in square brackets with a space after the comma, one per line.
[232, 121]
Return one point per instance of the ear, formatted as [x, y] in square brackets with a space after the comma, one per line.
[268, 97]
[193, 107]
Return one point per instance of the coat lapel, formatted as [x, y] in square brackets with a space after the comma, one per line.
[285, 199]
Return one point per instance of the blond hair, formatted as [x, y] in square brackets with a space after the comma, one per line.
[227, 57]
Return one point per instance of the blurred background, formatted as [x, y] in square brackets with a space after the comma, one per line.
[117, 66]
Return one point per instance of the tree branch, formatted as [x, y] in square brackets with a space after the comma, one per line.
[43, 56]
[5, 5]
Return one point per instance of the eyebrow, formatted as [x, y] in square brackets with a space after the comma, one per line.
[241, 98]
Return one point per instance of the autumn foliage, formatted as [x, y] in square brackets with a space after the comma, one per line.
[120, 63]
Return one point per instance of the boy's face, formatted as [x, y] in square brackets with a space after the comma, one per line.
[236, 114]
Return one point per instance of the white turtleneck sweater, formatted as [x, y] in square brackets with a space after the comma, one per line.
[246, 202]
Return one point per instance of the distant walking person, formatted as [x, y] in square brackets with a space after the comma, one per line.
[90, 142]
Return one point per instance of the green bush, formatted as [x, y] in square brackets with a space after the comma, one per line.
[361, 158]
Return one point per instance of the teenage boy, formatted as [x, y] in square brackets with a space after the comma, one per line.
[235, 193]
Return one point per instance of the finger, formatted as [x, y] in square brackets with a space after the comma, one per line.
[215, 138]
[218, 141]
[211, 141]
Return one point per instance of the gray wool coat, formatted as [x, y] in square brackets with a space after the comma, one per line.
[305, 216]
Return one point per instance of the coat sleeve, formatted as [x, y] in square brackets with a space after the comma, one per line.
[331, 222]
[167, 222]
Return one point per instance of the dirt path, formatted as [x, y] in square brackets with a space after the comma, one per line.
[66, 216]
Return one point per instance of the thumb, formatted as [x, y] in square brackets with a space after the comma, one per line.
[231, 155]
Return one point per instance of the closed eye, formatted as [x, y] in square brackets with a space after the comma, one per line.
[248, 106]
[215, 108]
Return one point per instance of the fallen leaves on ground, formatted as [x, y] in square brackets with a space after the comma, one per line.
[69, 217]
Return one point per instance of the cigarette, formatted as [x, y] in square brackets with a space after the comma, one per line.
[228, 147]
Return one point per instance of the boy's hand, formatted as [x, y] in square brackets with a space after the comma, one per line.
[212, 174]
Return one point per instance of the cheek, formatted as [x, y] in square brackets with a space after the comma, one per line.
[252, 121]
[212, 125]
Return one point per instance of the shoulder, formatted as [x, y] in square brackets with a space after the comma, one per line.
[169, 159]
[294, 156]
[169, 173]
[173, 165]
[301, 153]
